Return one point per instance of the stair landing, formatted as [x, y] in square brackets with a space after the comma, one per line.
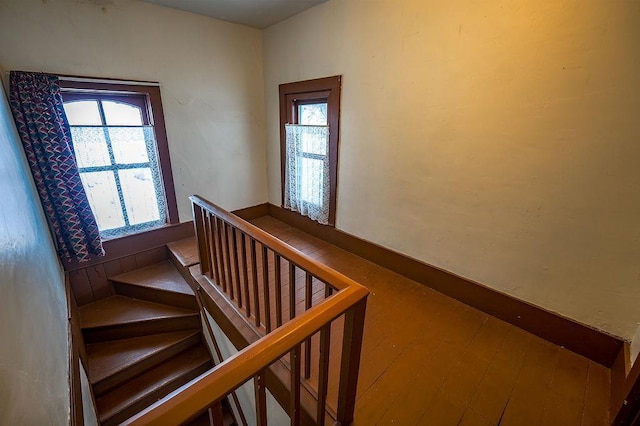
[185, 251]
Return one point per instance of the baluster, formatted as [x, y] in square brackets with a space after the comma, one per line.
[323, 372]
[215, 414]
[206, 228]
[261, 398]
[308, 286]
[202, 239]
[350, 362]
[245, 272]
[238, 413]
[292, 290]
[222, 279]
[236, 266]
[216, 245]
[254, 273]
[213, 252]
[278, 283]
[227, 254]
[294, 407]
[207, 241]
[265, 289]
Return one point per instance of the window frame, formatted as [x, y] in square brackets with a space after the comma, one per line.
[327, 90]
[148, 98]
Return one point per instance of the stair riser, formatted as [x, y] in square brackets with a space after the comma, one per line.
[141, 404]
[141, 328]
[155, 295]
[103, 386]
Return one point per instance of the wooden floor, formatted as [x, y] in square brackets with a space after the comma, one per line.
[431, 360]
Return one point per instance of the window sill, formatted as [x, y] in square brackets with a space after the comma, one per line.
[131, 244]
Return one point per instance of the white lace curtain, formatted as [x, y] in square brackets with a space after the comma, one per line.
[307, 171]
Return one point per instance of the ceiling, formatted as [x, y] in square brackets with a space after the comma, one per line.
[254, 13]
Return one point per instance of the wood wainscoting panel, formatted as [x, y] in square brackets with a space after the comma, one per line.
[77, 354]
[133, 244]
[90, 282]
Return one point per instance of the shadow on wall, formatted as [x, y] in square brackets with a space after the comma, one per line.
[34, 388]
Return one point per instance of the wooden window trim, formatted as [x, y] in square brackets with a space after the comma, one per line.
[154, 115]
[321, 89]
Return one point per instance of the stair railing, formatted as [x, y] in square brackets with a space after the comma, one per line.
[287, 296]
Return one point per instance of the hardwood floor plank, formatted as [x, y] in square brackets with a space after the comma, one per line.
[565, 402]
[469, 371]
[527, 401]
[492, 394]
[471, 418]
[431, 360]
[373, 402]
[409, 405]
[596, 409]
[443, 412]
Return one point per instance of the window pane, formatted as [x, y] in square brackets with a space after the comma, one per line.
[139, 195]
[313, 114]
[103, 198]
[90, 146]
[129, 144]
[120, 114]
[83, 113]
[312, 181]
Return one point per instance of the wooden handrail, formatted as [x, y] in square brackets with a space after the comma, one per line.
[203, 391]
[324, 273]
[218, 231]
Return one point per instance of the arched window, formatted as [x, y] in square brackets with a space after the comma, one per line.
[116, 147]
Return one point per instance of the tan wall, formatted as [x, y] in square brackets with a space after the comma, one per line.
[34, 386]
[210, 72]
[497, 140]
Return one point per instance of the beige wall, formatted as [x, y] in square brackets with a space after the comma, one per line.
[34, 387]
[210, 72]
[497, 140]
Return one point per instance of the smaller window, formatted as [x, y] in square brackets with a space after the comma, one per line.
[310, 118]
[120, 145]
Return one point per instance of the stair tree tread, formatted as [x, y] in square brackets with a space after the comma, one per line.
[117, 309]
[162, 377]
[185, 251]
[108, 358]
[161, 276]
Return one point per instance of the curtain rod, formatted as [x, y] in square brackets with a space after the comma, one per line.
[79, 79]
[306, 125]
[106, 80]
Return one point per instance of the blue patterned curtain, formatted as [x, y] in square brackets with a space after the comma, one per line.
[37, 108]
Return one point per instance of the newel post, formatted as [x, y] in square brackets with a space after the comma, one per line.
[350, 362]
[198, 222]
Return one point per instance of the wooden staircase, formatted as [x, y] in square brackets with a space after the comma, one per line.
[143, 342]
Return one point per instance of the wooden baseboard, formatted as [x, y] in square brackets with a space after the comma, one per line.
[253, 212]
[584, 340]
